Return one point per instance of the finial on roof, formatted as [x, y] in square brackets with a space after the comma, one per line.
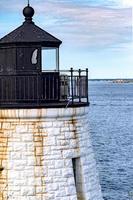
[28, 12]
[28, 2]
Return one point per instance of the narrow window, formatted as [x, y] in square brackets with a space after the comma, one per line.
[74, 168]
[77, 173]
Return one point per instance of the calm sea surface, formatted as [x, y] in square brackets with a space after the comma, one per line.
[111, 127]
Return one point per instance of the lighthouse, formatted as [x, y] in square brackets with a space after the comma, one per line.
[45, 144]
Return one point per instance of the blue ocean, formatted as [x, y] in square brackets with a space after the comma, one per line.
[111, 127]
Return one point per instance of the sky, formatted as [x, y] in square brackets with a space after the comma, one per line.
[96, 34]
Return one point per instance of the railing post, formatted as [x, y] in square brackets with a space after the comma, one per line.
[80, 86]
[58, 82]
[87, 85]
[71, 70]
[39, 88]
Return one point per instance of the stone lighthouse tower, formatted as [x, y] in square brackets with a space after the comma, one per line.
[45, 147]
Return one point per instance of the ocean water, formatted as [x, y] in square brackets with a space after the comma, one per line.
[111, 127]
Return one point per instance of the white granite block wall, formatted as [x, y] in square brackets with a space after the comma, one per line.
[36, 151]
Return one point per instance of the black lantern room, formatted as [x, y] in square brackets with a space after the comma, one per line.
[21, 51]
[25, 78]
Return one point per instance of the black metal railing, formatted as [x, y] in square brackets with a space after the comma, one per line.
[67, 87]
[74, 85]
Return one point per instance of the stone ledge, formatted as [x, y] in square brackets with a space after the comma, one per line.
[41, 113]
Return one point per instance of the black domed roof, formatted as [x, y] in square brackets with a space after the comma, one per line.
[28, 32]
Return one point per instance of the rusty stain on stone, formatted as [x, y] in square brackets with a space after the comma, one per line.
[3, 162]
[39, 137]
[74, 122]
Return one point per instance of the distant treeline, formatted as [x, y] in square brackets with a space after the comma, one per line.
[117, 79]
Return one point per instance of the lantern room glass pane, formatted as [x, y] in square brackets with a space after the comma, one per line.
[49, 59]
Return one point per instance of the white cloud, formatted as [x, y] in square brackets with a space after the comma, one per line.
[90, 26]
[82, 23]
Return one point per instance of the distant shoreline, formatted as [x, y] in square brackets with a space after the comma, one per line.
[119, 80]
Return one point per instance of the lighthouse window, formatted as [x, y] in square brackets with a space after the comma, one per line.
[77, 173]
[49, 59]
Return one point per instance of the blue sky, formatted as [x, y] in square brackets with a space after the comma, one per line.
[96, 33]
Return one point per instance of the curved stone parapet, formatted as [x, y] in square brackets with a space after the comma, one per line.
[44, 113]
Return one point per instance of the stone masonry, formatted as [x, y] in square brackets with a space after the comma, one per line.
[37, 151]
